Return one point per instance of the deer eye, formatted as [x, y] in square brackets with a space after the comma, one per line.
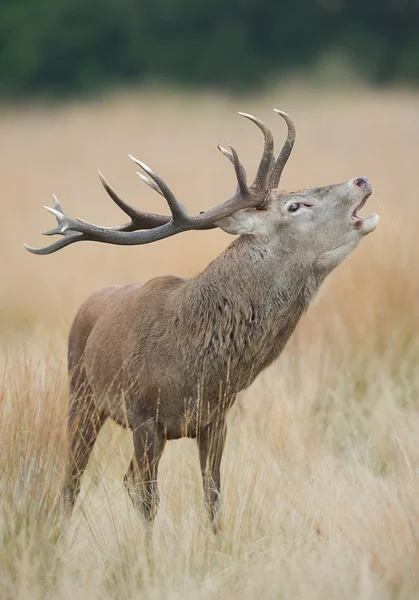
[294, 207]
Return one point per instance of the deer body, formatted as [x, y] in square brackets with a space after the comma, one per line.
[189, 341]
[168, 358]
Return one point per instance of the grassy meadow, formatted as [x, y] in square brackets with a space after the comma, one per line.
[321, 469]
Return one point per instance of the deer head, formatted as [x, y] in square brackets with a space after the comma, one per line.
[323, 223]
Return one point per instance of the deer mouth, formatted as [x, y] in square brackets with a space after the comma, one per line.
[364, 224]
[355, 214]
[363, 184]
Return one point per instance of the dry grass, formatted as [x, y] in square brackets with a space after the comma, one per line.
[320, 472]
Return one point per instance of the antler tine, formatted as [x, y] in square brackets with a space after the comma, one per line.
[69, 238]
[127, 208]
[282, 159]
[233, 157]
[177, 209]
[150, 182]
[226, 153]
[241, 178]
[57, 229]
[267, 159]
[139, 218]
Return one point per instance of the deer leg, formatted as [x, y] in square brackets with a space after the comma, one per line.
[141, 477]
[211, 445]
[84, 425]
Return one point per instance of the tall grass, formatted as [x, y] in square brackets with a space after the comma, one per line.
[320, 472]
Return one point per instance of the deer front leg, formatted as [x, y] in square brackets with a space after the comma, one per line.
[211, 445]
[141, 477]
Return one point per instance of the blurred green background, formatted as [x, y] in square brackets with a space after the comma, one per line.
[60, 47]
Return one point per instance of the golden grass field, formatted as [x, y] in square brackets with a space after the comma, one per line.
[321, 468]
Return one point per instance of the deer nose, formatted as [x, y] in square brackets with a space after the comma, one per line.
[363, 182]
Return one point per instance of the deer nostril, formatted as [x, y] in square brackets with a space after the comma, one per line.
[362, 182]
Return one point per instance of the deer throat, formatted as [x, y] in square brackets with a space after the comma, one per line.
[239, 338]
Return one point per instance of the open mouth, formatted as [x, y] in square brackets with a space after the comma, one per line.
[363, 224]
[355, 215]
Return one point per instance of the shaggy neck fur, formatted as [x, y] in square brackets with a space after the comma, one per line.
[240, 312]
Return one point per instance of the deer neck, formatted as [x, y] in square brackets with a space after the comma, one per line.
[274, 280]
[244, 307]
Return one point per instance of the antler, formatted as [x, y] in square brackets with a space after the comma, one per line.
[285, 153]
[145, 227]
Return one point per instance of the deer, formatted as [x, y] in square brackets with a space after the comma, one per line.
[167, 359]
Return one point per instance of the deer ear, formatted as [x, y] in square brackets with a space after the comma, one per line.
[243, 221]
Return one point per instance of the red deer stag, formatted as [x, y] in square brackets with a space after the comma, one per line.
[168, 358]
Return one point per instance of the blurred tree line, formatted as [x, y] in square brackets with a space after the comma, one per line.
[68, 46]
